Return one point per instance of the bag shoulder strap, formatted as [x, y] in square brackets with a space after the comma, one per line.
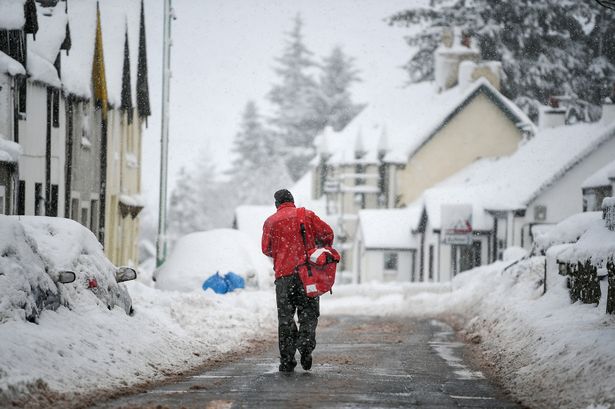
[301, 219]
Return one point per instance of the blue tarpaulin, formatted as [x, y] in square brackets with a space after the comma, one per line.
[223, 285]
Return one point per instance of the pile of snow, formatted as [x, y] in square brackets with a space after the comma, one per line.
[197, 256]
[597, 244]
[35, 248]
[23, 280]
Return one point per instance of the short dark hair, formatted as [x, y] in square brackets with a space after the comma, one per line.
[283, 196]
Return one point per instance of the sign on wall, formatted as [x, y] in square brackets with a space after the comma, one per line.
[457, 224]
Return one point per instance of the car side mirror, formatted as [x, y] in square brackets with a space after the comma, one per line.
[63, 277]
[125, 274]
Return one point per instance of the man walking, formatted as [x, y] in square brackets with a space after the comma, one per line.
[282, 240]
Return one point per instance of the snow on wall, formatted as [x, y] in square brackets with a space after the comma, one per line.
[12, 14]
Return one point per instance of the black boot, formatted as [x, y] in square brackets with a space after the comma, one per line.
[306, 361]
[288, 366]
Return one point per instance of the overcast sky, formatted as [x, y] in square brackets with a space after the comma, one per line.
[223, 55]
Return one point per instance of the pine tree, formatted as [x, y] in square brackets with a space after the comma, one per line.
[294, 98]
[547, 47]
[258, 169]
[334, 103]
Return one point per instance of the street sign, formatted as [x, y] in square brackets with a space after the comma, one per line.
[457, 224]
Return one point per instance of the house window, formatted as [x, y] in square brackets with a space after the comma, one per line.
[413, 267]
[53, 203]
[2, 199]
[431, 262]
[390, 261]
[540, 213]
[55, 94]
[94, 217]
[74, 209]
[23, 93]
[39, 200]
[359, 199]
[85, 216]
[21, 198]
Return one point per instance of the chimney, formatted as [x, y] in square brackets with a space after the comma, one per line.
[552, 116]
[455, 48]
[608, 109]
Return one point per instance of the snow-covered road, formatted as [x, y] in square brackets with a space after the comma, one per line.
[359, 362]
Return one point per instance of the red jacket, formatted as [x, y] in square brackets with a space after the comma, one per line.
[282, 238]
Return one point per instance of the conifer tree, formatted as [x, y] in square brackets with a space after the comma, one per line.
[294, 98]
[547, 47]
[258, 170]
[334, 102]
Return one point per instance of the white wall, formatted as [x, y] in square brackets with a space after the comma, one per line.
[565, 197]
[32, 138]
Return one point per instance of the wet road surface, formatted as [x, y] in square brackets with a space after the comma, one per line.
[359, 362]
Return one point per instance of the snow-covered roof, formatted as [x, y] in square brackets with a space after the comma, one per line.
[512, 182]
[600, 178]
[389, 228]
[51, 33]
[42, 71]
[9, 151]
[12, 14]
[10, 66]
[403, 119]
[77, 65]
[568, 230]
[116, 17]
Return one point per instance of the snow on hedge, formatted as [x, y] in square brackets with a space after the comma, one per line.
[197, 256]
[568, 230]
[12, 14]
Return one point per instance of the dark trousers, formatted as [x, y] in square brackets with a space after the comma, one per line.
[291, 298]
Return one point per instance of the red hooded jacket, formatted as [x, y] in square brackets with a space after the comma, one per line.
[282, 238]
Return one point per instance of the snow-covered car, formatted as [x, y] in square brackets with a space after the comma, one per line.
[47, 262]
[197, 256]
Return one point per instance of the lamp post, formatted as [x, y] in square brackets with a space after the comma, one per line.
[161, 240]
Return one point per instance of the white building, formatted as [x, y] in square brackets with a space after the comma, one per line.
[504, 201]
[386, 249]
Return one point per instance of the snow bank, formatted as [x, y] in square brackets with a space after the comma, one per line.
[87, 348]
[548, 352]
[196, 256]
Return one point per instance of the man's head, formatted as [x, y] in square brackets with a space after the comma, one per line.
[283, 196]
